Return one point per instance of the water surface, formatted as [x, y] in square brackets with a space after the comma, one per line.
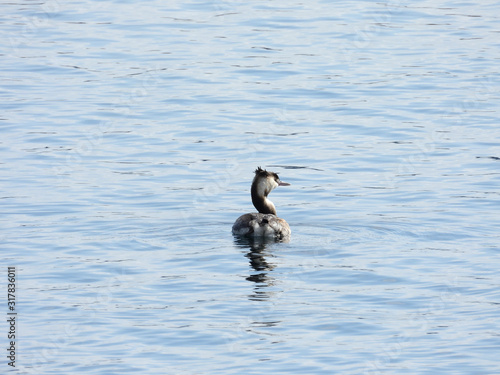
[130, 133]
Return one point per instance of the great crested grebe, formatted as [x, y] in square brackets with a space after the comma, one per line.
[265, 223]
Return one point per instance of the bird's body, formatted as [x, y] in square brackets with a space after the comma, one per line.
[265, 223]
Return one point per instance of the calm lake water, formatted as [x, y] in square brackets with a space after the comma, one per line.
[130, 132]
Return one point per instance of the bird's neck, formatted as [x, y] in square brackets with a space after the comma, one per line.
[261, 203]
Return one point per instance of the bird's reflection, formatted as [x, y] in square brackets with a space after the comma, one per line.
[258, 258]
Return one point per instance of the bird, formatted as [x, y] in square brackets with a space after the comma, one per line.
[265, 223]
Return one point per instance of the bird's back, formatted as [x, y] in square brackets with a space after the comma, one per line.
[261, 225]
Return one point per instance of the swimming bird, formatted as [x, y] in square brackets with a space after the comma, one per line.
[265, 223]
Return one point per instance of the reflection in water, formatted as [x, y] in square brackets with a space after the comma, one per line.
[261, 317]
[258, 257]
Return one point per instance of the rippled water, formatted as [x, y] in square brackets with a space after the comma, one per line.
[130, 132]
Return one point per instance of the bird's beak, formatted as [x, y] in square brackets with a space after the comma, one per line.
[281, 183]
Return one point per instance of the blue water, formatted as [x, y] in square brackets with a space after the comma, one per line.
[130, 132]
